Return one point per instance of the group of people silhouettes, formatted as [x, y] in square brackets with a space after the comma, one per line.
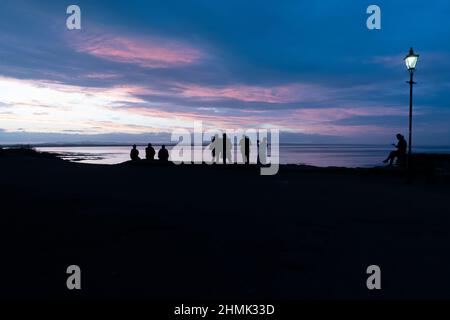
[221, 149]
[163, 154]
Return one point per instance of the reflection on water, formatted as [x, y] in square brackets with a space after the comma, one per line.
[316, 155]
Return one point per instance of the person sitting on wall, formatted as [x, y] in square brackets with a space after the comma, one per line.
[150, 152]
[134, 154]
[163, 154]
[400, 153]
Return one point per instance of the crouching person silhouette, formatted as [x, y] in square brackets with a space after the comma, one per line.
[400, 153]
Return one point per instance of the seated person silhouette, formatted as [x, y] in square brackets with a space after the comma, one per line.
[163, 154]
[134, 154]
[400, 153]
[150, 152]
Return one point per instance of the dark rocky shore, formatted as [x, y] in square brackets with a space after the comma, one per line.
[214, 232]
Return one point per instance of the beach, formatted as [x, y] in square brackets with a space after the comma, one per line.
[219, 232]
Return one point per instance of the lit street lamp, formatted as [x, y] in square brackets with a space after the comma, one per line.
[411, 61]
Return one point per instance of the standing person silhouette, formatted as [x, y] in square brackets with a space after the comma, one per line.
[134, 154]
[262, 151]
[216, 147]
[163, 154]
[228, 149]
[150, 152]
[245, 143]
[213, 147]
[400, 152]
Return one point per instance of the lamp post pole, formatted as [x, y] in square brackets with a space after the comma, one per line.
[411, 83]
[411, 61]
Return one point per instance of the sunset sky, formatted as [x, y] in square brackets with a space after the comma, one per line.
[310, 68]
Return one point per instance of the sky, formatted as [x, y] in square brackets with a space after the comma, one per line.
[138, 70]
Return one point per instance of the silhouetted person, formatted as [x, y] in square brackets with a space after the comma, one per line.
[163, 154]
[134, 154]
[228, 148]
[262, 151]
[245, 149]
[150, 152]
[400, 153]
[213, 147]
[216, 148]
[257, 151]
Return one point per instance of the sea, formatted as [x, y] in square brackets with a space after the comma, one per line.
[320, 155]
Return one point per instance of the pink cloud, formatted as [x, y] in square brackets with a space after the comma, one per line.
[149, 52]
[309, 121]
[42, 106]
[277, 94]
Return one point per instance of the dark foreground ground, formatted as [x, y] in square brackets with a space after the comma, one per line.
[194, 232]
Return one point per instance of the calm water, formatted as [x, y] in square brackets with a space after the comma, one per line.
[317, 155]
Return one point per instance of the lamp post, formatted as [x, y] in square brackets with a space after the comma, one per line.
[410, 61]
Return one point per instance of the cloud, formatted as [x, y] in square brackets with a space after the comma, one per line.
[336, 114]
[148, 52]
[54, 107]
[277, 94]
[389, 61]
[100, 75]
[317, 121]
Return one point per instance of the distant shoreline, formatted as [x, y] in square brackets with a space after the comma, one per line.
[68, 145]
